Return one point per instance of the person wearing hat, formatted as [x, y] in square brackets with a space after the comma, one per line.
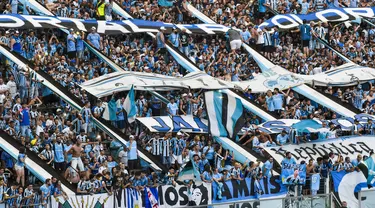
[178, 144]
[94, 39]
[132, 153]
[71, 44]
[185, 105]
[282, 138]
[184, 42]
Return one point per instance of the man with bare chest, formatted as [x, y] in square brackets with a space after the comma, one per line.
[76, 151]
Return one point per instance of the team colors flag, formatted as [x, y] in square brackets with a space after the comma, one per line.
[225, 114]
[129, 105]
[189, 172]
[368, 169]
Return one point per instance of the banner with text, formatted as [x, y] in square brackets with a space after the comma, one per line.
[174, 124]
[346, 146]
[249, 188]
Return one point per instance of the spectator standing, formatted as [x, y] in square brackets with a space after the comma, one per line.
[234, 39]
[71, 45]
[108, 10]
[305, 30]
[174, 38]
[100, 10]
[94, 39]
[184, 42]
[160, 43]
[132, 153]
[172, 108]
[19, 167]
[15, 42]
[14, 4]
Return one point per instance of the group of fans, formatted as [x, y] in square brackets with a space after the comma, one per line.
[48, 126]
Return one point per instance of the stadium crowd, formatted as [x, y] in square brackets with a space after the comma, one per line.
[48, 126]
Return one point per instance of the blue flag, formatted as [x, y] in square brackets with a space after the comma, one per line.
[129, 105]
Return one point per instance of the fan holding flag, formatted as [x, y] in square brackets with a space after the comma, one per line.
[129, 105]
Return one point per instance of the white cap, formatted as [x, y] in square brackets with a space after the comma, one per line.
[93, 28]
[184, 95]
[58, 110]
[7, 32]
[131, 137]
[179, 133]
[162, 28]
[17, 32]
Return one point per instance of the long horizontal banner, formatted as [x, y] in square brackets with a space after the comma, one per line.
[289, 21]
[174, 124]
[346, 123]
[345, 146]
[122, 81]
[15, 21]
[167, 196]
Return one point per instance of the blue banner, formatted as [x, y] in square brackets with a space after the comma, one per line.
[15, 21]
[292, 174]
[249, 188]
[289, 21]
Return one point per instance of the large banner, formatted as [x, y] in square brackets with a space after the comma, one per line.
[179, 196]
[174, 124]
[346, 123]
[289, 21]
[15, 21]
[346, 146]
[122, 81]
[249, 188]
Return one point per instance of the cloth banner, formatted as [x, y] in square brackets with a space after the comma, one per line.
[15, 21]
[234, 190]
[346, 146]
[293, 174]
[276, 126]
[123, 81]
[289, 21]
[187, 123]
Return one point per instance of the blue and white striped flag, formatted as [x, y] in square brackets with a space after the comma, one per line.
[225, 114]
[129, 105]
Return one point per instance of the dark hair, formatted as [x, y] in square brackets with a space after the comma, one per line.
[204, 199]
[22, 150]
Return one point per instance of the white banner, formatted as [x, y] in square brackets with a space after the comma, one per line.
[180, 196]
[122, 81]
[346, 146]
[174, 124]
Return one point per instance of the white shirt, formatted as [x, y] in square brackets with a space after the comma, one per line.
[11, 85]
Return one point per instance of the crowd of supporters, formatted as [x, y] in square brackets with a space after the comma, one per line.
[48, 126]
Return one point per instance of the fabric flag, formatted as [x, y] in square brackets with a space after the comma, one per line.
[315, 181]
[152, 199]
[109, 113]
[129, 105]
[225, 114]
[165, 3]
[189, 172]
[368, 169]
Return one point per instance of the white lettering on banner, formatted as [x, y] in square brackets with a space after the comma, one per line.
[347, 147]
[179, 196]
[360, 12]
[17, 22]
[135, 28]
[103, 27]
[330, 15]
[77, 22]
[37, 20]
[321, 15]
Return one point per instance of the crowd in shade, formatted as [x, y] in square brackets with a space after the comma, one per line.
[48, 126]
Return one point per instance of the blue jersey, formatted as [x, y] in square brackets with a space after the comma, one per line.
[305, 31]
[17, 47]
